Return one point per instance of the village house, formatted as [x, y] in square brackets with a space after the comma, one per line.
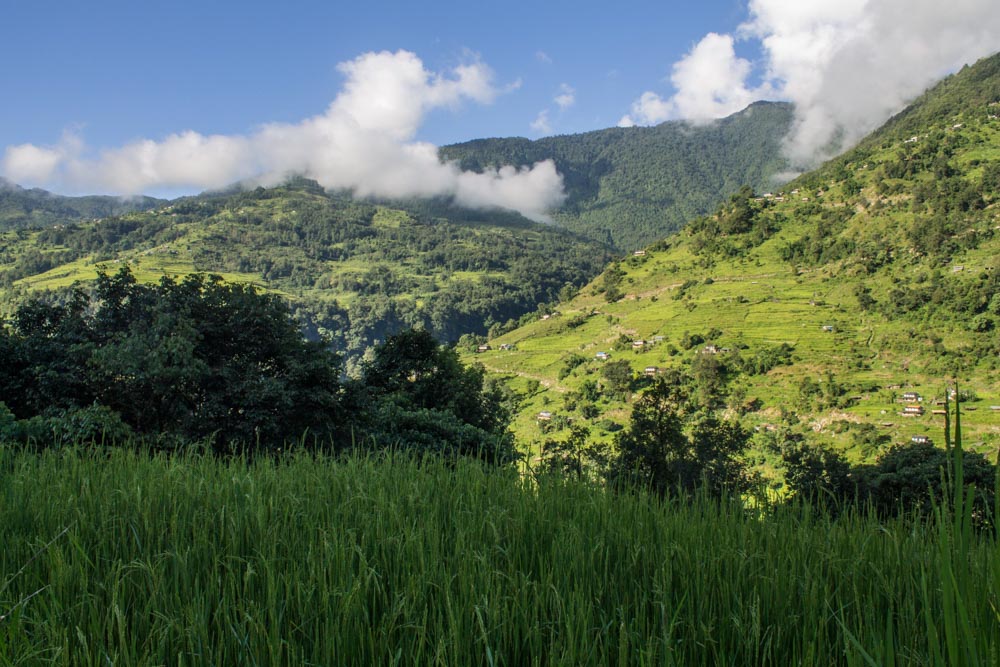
[484, 348]
[920, 440]
[710, 349]
[544, 416]
[638, 344]
[603, 356]
[650, 371]
[827, 327]
[913, 411]
[911, 396]
[639, 253]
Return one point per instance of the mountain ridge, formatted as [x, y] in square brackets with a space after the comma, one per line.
[824, 300]
[629, 186]
[33, 207]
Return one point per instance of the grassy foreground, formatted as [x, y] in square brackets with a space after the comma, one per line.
[126, 559]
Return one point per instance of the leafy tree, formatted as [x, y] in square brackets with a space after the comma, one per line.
[575, 456]
[906, 479]
[667, 450]
[617, 377]
[179, 362]
[910, 478]
[422, 395]
[819, 474]
[709, 375]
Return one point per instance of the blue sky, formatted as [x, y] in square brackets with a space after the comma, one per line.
[169, 98]
[124, 70]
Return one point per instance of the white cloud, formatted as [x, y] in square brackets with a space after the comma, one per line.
[566, 97]
[710, 82]
[846, 64]
[541, 123]
[363, 142]
[28, 163]
[543, 57]
[850, 64]
[649, 109]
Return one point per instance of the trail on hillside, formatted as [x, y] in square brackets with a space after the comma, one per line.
[541, 379]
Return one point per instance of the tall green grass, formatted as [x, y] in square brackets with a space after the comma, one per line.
[121, 558]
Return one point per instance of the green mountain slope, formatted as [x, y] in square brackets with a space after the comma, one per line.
[813, 310]
[356, 271]
[37, 208]
[629, 186]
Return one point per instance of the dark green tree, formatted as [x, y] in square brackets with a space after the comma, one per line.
[668, 450]
[421, 394]
[618, 377]
[194, 360]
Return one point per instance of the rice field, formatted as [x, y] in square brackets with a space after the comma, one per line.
[121, 558]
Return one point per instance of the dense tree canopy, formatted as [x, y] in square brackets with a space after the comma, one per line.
[202, 360]
[669, 448]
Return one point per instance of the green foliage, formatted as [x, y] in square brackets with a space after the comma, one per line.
[668, 450]
[617, 377]
[178, 362]
[767, 358]
[428, 401]
[201, 360]
[134, 559]
[632, 186]
[611, 283]
[575, 456]
[909, 479]
[20, 208]
[357, 272]
[818, 474]
[569, 363]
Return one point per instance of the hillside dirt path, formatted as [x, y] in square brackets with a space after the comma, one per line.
[722, 279]
[542, 380]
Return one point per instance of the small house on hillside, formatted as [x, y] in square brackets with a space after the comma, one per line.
[603, 356]
[913, 411]
[920, 440]
[710, 349]
[484, 348]
[828, 327]
[650, 371]
[639, 253]
[638, 344]
[544, 416]
[911, 396]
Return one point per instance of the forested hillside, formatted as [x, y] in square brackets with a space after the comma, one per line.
[630, 186]
[833, 311]
[355, 271]
[37, 208]
[358, 271]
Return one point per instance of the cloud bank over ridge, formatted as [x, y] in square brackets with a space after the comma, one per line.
[847, 65]
[364, 142]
